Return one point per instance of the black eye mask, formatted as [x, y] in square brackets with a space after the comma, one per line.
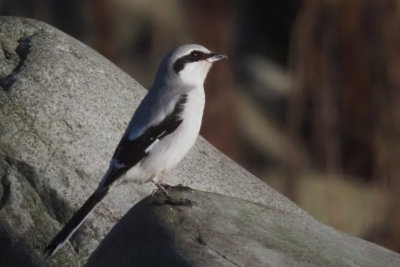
[192, 57]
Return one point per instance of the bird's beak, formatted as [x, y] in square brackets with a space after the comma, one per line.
[216, 57]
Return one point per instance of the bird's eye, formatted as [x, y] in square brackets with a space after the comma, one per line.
[195, 55]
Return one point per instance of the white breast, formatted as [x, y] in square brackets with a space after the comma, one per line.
[171, 149]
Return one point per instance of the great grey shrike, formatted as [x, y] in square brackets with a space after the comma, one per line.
[160, 133]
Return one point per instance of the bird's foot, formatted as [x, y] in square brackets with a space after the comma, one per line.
[163, 188]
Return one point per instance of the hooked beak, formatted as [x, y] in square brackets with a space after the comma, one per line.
[216, 57]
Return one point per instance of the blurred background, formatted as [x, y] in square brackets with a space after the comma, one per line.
[309, 100]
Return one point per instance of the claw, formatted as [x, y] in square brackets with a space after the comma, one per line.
[163, 188]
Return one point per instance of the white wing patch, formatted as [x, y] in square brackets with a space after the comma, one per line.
[161, 134]
[152, 145]
[154, 142]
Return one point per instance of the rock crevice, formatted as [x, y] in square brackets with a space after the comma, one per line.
[22, 51]
[5, 189]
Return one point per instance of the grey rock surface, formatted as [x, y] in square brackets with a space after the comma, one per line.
[63, 109]
[207, 229]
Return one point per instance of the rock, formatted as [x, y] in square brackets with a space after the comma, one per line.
[63, 109]
[208, 229]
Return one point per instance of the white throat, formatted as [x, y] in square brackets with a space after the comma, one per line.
[195, 73]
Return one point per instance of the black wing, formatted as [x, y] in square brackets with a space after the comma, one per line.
[129, 152]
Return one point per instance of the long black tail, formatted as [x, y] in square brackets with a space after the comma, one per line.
[76, 221]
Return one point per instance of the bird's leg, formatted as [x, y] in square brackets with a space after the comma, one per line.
[163, 188]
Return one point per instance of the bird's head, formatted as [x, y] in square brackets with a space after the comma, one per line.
[189, 63]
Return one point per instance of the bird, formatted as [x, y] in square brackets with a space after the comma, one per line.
[162, 130]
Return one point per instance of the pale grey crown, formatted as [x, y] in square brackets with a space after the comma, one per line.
[188, 63]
